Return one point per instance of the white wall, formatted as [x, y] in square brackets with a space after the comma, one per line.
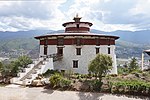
[88, 52]
[48, 65]
[51, 49]
[80, 25]
[41, 50]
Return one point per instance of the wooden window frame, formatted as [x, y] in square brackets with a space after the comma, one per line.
[45, 49]
[78, 51]
[60, 41]
[75, 64]
[109, 51]
[97, 50]
[77, 25]
[78, 42]
[97, 41]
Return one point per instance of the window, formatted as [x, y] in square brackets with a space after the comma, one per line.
[75, 63]
[78, 41]
[78, 51]
[77, 25]
[108, 50]
[97, 50]
[46, 42]
[97, 41]
[45, 50]
[60, 41]
[60, 51]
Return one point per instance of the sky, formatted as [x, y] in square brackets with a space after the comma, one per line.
[106, 15]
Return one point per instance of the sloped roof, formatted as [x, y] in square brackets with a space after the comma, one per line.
[76, 34]
[147, 51]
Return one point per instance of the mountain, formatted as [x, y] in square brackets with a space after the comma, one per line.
[13, 44]
[22, 34]
[140, 37]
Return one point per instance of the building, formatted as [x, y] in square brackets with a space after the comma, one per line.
[76, 47]
[72, 50]
[145, 64]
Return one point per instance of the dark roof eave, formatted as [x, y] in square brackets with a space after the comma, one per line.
[38, 37]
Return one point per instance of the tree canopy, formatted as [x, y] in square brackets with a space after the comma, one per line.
[14, 67]
[100, 65]
[133, 65]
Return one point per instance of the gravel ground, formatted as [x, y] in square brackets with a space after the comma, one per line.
[20, 93]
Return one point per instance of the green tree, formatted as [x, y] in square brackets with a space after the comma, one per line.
[5, 69]
[20, 63]
[100, 65]
[133, 65]
[23, 61]
[13, 68]
[1, 66]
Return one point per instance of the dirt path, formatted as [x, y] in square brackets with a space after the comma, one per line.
[17, 93]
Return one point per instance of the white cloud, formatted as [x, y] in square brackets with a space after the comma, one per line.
[142, 7]
[106, 15]
[29, 15]
[111, 15]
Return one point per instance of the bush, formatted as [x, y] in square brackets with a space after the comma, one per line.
[68, 73]
[97, 85]
[57, 80]
[50, 72]
[123, 70]
[131, 87]
[64, 83]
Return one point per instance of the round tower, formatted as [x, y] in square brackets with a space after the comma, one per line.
[77, 26]
[77, 46]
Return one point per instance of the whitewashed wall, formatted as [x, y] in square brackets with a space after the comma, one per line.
[88, 52]
[80, 25]
[41, 50]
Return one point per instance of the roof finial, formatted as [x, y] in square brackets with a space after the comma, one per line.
[77, 18]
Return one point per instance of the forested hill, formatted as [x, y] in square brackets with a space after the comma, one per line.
[22, 34]
[139, 37]
[130, 43]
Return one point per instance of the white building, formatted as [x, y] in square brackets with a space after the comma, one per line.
[72, 50]
[77, 47]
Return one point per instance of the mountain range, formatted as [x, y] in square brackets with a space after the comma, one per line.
[128, 45]
[139, 37]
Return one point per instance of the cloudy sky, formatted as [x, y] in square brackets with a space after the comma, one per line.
[106, 15]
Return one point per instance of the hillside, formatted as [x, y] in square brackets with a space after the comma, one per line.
[15, 43]
[22, 34]
[126, 49]
[137, 37]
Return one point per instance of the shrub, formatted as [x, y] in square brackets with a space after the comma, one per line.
[64, 83]
[55, 80]
[130, 87]
[68, 73]
[133, 65]
[50, 72]
[123, 70]
[97, 85]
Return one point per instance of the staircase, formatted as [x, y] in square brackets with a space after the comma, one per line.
[38, 67]
[32, 71]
